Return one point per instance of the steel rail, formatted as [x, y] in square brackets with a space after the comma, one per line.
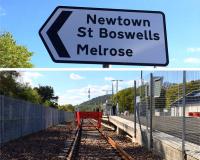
[122, 153]
[75, 143]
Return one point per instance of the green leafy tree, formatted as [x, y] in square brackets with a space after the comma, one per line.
[25, 92]
[8, 84]
[125, 99]
[13, 55]
[175, 91]
[47, 96]
[67, 107]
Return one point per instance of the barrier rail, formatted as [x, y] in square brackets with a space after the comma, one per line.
[194, 114]
[89, 115]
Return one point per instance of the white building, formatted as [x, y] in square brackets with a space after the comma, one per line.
[192, 102]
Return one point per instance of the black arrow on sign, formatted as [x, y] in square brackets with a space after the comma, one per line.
[53, 34]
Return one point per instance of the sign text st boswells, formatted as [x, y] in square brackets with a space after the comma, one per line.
[106, 36]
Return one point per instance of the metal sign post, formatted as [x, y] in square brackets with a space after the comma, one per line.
[135, 106]
[183, 120]
[151, 110]
[106, 36]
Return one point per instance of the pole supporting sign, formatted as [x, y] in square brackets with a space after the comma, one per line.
[106, 36]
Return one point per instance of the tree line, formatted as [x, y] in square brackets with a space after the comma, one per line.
[13, 55]
[170, 93]
[44, 95]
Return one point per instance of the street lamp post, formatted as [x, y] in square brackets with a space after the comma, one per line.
[89, 93]
[117, 83]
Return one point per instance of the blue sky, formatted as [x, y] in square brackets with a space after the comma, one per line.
[24, 18]
[72, 86]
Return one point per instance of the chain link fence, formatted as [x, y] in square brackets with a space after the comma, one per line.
[19, 118]
[169, 102]
[169, 106]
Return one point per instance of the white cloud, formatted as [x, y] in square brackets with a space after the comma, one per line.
[28, 77]
[193, 49]
[79, 95]
[108, 78]
[75, 76]
[130, 83]
[192, 60]
[2, 11]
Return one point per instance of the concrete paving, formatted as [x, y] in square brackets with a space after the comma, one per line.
[166, 145]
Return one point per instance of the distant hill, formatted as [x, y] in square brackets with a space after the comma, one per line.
[170, 93]
[93, 103]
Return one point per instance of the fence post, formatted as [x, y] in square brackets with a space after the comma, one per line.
[151, 111]
[183, 119]
[135, 109]
[1, 121]
[147, 111]
[141, 85]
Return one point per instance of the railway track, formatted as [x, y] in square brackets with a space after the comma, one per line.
[92, 143]
[64, 141]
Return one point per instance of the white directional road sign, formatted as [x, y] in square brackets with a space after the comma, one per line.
[106, 36]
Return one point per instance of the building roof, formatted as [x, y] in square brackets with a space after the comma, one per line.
[191, 98]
